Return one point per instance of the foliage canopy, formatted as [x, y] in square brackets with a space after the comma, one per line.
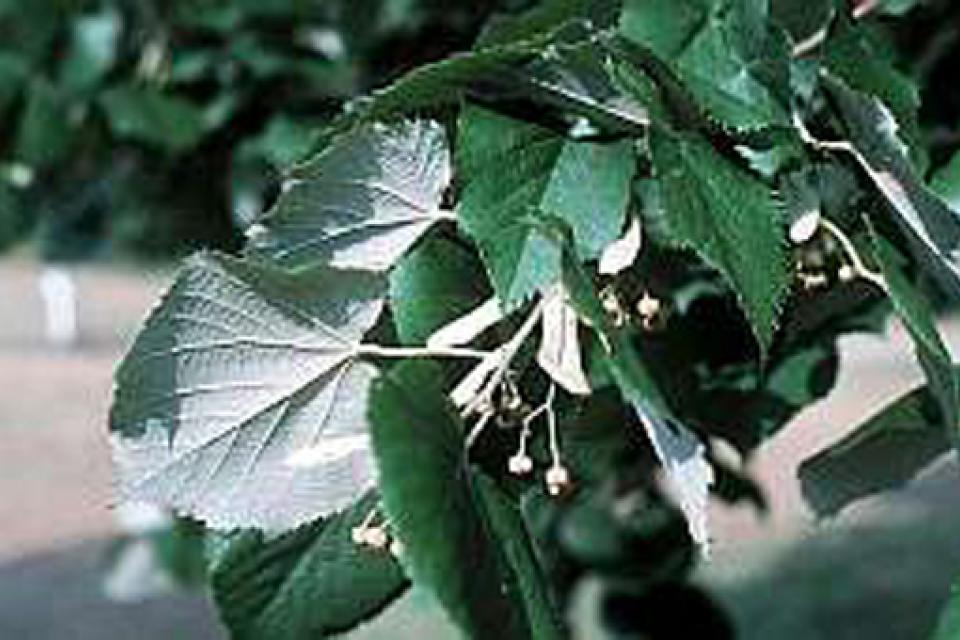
[494, 334]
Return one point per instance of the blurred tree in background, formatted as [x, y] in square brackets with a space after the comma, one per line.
[151, 127]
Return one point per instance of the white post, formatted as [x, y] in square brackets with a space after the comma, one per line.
[59, 296]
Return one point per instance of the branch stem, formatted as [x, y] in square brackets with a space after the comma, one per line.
[856, 261]
[377, 351]
[812, 42]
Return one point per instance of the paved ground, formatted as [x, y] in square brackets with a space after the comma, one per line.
[878, 572]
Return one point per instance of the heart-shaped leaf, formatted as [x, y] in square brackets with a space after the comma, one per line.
[241, 402]
[362, 202]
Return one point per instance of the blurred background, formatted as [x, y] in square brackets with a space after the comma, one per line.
[135, 131]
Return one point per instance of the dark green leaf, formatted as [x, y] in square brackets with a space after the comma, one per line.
[308, 583]
[438, 281]
[546, 17]
[513, 170]
[441, 84]
[932, 227]
[802, 18]
[506, 522]
[13, 72]
[428, 494]
[677, 448]
[725, 52]
[883, 453]
[44, 133]
[918, 317]
[946, 183]
[149, 116]
[729, 218]
[851, 56]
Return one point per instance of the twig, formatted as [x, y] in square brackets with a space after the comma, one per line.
[377, 351]
[813, 41]
[856, 262]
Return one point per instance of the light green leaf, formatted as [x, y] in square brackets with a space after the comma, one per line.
[241, 402]
[883, 453]
[918, 317]
[931, 226]
[724, 51]
[512, 170]
[427, 490]
[147, 115]
[729, 218]
[92, 51]
[308, 583]
[361, 203]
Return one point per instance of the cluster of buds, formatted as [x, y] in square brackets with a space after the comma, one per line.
[557, 477]
[820, 248]
[650, 311]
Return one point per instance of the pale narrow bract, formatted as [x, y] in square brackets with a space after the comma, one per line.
[241, 377]
[559, 353]
[686, 469]
[362, 202]
[467, 327]
[622, 252]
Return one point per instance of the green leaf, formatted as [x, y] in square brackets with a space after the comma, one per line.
[946, 183]
[429, 495]
[729, 218]
[885, 452]
[677, 448]
[575, 79]
[92, 51]
[283, 141]
[851, 56]
[931, 226]
[361, 203]
[149, 116]
[241, 402]
[437, 85]
[546, 17]
[44, 134]
[724, 51]
[512, 170]
[506, 522]
[948, 628]
[438, 281]
[150, 562]
[311, 582]
[918, 317]
[13, 72]
[802, 18]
